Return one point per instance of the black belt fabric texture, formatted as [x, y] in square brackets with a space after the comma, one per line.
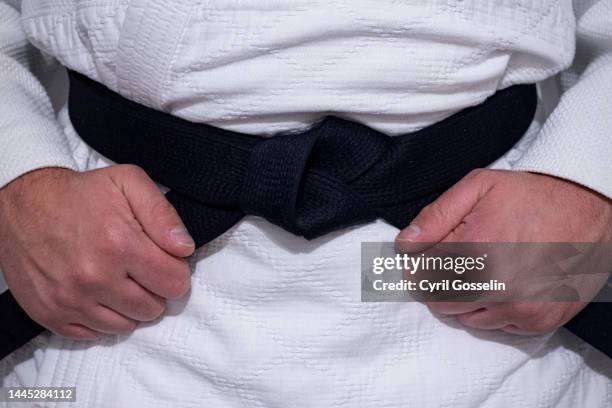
[336, 174]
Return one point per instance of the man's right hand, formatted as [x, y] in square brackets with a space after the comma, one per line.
[94, 252]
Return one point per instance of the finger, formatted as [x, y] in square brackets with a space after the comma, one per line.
[454, 308]
[76, 331]
[157, 216]
[484, 319]
[160, 273]
[134, 302]
[104, 320]
[532, 318]
[442, 216]
[514, 329]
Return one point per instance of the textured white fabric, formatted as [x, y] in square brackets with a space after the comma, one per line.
[274, 320]
[265, 67]
[29, 133]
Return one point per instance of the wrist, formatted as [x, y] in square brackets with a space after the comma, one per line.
[12, 194]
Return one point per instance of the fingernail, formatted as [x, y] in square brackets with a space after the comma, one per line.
[181, 237]
[411, 233]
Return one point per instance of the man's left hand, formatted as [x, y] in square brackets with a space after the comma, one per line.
[505, 206]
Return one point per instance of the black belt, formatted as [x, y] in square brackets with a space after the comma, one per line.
[336, 174]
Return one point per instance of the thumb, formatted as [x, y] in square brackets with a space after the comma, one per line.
[157, 216]
[441, 217]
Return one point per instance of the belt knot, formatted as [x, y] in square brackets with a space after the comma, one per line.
[302, 181]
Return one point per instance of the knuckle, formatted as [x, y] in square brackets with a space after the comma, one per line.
[526, 310]
[437, 307]
[538, 326]
[130, 170]
[435, 210]
[114, 240]
[542, 327]
[149, 310]
[445, 307]
[155, 310]
[477, 173]
[88, 279]
[126, 327]
[161, 208]
[549, 320]
[178, 287]
[66, 332]
[465, 319]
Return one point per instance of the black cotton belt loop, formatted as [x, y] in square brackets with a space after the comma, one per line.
[336, 174]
